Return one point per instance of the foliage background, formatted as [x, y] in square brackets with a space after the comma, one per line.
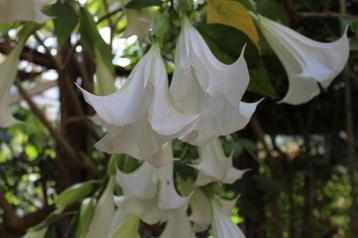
[303, 159]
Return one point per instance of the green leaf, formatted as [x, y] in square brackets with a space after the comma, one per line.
[249, 4]
[91, 39]
[65, 20]
[88, 207]
[260, 82]
[32, 233]
[220, 40]
[234, 14]
[74, 194]
[137, 4]
[27, 30]
[273, 10]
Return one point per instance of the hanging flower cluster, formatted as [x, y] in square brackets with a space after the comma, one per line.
[202, 103]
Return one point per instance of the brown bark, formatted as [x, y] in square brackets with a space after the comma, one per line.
[74, 132]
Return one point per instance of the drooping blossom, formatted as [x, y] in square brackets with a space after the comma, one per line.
[140, 116]
[202, 84]
[307, 62]
[215, 166]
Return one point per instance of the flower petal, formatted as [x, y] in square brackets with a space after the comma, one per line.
[214, 77]
[117, 221]
[305, 61]
[147, 209]
[130, 102]
[138, 22]
[168, 196]
[215, 165]
[105, 210]
[201, 213]
[222, 226]
[137, 140]
[178, 225]
[164, 118]
[203, 85]
[142, 183]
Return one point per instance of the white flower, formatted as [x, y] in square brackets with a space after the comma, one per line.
[140, 116]
[137, 139]
[149, 192]
[148, 182]
[8, 71]
[142, 183]
[222, 226]
[23, 10]
[178, 225]
[138, 22]
[101, 223]
[201, 83]
[201, 214]
[215, 166]
[306, 62]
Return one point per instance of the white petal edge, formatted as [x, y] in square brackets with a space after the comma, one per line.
[306, 61]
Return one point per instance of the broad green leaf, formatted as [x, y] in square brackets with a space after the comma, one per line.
[65, 20]
[273, 10]
[91, 39]
[88, 207]
[73, 194]
[234, 14]
[260, 82]
[27, 30]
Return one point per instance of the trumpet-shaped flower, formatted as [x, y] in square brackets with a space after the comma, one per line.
[150, 192]
[23, 10]
[215, 166]
[140, 116]
[105, 211]
[306, 62]
[146, 209]
[138, 22]
[8, 71]
[148, 182]
[178, 225]
[141, 183]
[201, 214]
[222, 226]
[202, 84]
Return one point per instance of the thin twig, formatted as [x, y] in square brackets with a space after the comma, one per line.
[327, 15]
[58, 137]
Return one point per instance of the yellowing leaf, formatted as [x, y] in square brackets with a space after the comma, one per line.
[234, 14]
